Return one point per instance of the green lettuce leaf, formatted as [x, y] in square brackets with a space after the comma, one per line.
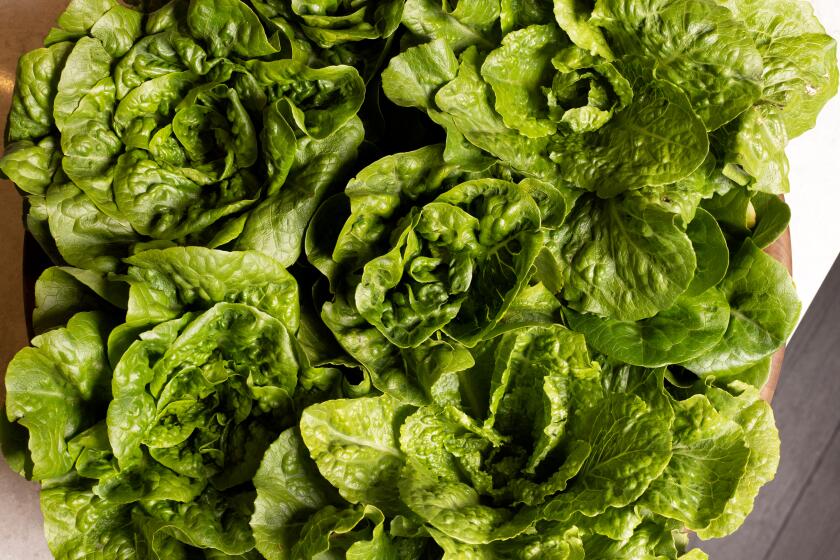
[761, 437]
[669, 36]
[289, 490]
[275, 226]
[194, 397]
[623, 258]
[58, 388]
[355, 446]
[167, 282]
[61, 292]
[689, 328]
[764, 310]
[800, 60]
[710, 457]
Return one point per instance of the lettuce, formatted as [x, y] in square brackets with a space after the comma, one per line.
[162, 420]
[173, 126]
[472, 279]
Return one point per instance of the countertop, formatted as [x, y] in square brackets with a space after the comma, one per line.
[815, 201]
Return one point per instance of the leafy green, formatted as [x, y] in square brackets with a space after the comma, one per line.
[425, 251]
[764, 310]
[659, 33]
[291, 316]
[107, 528]
[453, 269]
[709, 459]
[167, 282]
[711, 251]
[149, 434]
[56, 388]
[332, 23]
[194, 394]
[289, 491]
[274, 226]
[689, 328]
[624, 257]
[174, 132]
[761, 437]
[31, 166]
[800, 73]
[355, 447]
[60, 292]
[461, 24]
[772, 219]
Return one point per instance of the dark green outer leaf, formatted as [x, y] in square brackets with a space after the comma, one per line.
[38, 74]
[167, 282]
[81, 15]
[31, 166]
[692, 327]
[650, 540]
[61, 292]
[731, 208]
[230, 27]
[14, 440]
[711, 251]
[334, 532]
[213, 521]
[276, 226]
[86, 237]
[674, 36]
[87, 64]
[624, 258]
[772, 219]
[118, 29]
[535, 305]
[289, 489]
[322, 233]
[764, 310]
[412, 78]
[58, 388]
[756, 374]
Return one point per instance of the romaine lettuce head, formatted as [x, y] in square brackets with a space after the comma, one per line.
[162, 421]
[617, 95]
[428, 250]
[535, 447]
[170, 125]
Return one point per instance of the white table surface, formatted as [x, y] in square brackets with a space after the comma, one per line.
[815, 202]
[815, 186]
